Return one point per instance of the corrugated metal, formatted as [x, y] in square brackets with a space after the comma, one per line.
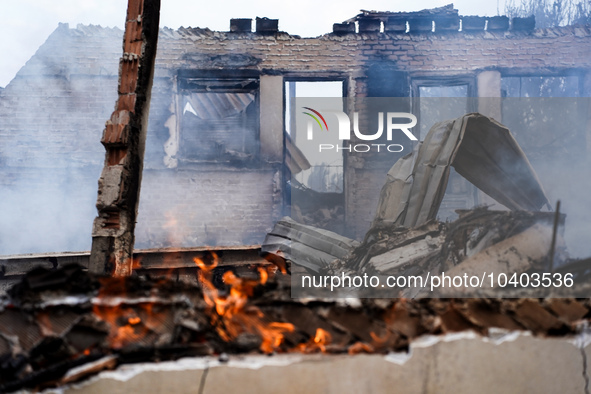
[481, 150]
[209, 106]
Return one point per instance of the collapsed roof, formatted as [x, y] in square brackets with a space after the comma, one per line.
[481, 150]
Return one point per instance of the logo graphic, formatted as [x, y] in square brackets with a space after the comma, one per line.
[344, 125]
[315, 118]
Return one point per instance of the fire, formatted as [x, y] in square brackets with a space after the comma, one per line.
[124, 324]
[229, 311]
[232, 315]
[321, 340]
[128, 324]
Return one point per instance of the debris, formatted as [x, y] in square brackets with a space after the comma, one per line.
[516, 254]
[136, 319]
[311, 247]
[406, 240]
[481, 150]
[75, 374]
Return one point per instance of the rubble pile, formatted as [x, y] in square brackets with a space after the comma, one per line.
[522, 236]
[60, 326]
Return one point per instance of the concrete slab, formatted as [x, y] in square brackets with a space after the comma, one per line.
[460, 363]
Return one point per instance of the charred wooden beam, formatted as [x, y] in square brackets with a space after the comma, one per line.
[124, 140]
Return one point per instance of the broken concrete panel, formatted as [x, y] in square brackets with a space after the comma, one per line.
[491, 159]
[517, 365]
[307, 246]
[338, 374]
[271, 113]
[512, 255]
[395, 193]
[408, 255]
[457, 363]
[144, 378]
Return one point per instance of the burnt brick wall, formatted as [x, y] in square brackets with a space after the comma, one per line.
[209, 206]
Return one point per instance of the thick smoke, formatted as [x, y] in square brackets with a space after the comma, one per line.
[47, 214]
[51, 119]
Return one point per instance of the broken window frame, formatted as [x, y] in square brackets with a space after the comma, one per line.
[289, 78]
[223, 81]
[338, 77]
[316, 77]
[417, 82]
[545, 73]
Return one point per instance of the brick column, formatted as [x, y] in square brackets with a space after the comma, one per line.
[124, 139]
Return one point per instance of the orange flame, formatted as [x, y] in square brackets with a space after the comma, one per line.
[128, 324]
[122, 331]
[232, 314]
[321, 339]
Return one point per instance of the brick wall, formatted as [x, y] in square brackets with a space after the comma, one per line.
[211, 206]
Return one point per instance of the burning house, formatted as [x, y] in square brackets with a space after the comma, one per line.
[246, 127]
[218, 120]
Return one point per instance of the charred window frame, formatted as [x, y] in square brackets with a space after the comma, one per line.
[218, 117]
[536, 104]
[447, 87]
[312, 193]
[289, 84]
[568, 83]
